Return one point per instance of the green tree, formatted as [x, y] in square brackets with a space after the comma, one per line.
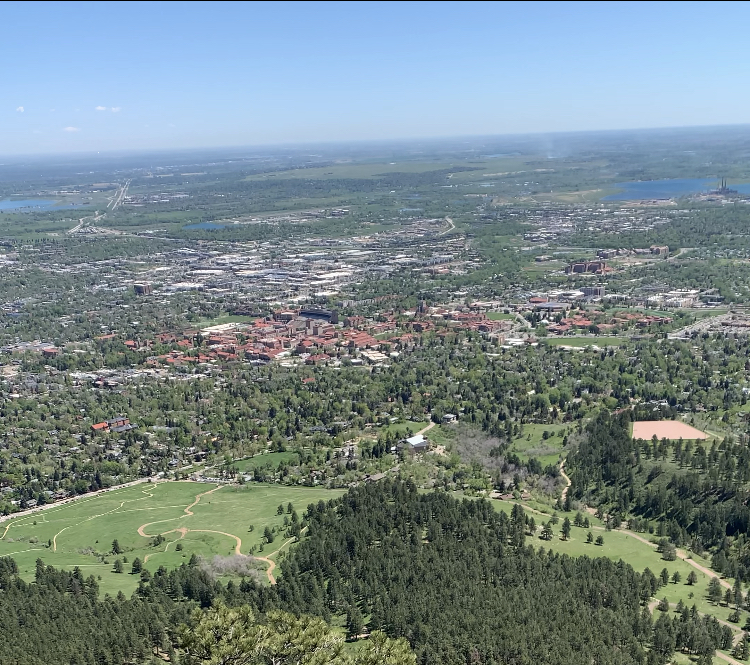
[714, 590]
[599, 540]
[231, 636]
[116, 549]
[676, 577]
[355, 623]
[566, 529]
[118, 566]
[137, 566]
[692, 578]
[741, 650]
[589, 537]
[268, 534]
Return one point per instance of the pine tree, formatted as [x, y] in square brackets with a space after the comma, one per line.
[714, 590]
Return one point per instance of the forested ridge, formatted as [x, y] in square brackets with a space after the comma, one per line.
[694, 494]
[456, 579]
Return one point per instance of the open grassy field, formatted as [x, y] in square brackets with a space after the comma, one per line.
[621, 545]
[206, 519]
[402, 429]
[500, 316]
[532, 444]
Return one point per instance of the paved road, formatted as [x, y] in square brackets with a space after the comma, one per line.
[121, 196]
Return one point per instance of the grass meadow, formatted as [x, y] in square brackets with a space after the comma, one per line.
[81, 533]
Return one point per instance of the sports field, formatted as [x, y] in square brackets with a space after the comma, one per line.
[666, 429]
[204, 519]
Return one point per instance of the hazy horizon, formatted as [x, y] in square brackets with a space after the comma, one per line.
[159, 76]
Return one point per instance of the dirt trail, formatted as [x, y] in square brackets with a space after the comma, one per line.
[183, 531]
[729, 659]
[271, 566]
[568, 481]
[425, 429]
[187, 511]
[198, 498]
[271, 563]
[681, 554]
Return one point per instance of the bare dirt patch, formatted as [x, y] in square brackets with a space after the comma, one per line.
[666, 429]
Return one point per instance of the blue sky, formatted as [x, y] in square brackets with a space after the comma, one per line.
[181, 75]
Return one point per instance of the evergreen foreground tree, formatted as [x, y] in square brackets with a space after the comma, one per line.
[233, 636]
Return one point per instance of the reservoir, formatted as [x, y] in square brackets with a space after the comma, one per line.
[667, 189]
[26, 204]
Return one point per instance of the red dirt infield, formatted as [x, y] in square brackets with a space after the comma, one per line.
[666, 429]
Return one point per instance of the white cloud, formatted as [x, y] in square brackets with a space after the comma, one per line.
[116, 109]
[100, 108]
[20, 109]
[71, 129]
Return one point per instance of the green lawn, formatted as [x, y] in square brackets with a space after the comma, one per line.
[89, 525]
[401, 428]
[499, 316]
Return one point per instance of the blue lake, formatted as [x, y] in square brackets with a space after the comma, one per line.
[667, 189]
[29, 203]
[204, 225]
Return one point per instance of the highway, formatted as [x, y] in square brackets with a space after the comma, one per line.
[118, 198]
[82, 223]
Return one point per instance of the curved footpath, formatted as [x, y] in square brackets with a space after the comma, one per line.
[681, 554]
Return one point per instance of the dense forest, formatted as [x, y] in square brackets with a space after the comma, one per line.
[696, 495]
[457, 580]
